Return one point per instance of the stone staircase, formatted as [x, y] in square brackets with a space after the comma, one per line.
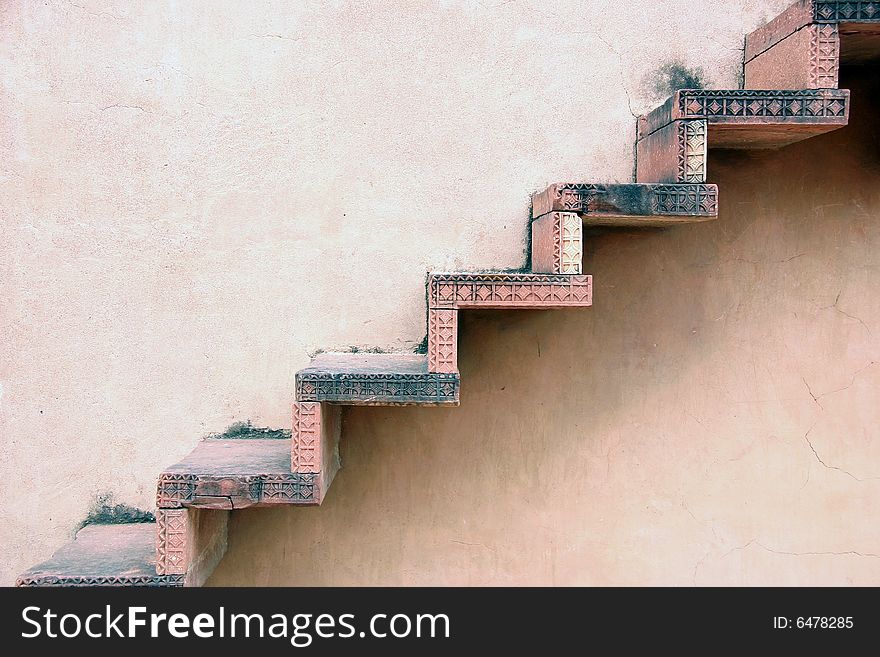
[790, 77]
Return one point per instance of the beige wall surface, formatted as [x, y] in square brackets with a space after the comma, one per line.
[196, 195]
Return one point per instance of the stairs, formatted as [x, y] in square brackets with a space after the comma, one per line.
[790, 75]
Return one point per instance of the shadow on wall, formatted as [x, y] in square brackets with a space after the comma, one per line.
[711, 420]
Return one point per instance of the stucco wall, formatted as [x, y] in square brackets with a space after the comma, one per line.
[196, 195]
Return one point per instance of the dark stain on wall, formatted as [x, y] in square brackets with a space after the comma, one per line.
[674, 75]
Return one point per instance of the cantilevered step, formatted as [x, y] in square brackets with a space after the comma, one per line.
[377, 380]
[738, 118]
[501, 290]
[630, 204]
[104, 555]
[234, 474]
[803, 47]
[450, 292]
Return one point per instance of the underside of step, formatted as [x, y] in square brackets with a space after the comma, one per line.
[630, 204]
[234, 474]
[104, 555]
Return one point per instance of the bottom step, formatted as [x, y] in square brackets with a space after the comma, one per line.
[103, 555]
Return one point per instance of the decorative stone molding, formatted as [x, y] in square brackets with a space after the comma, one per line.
[509, 291]
[314, 440]
[376, 379]
[306, 438]
[840, 11]
[557, 243]
[171, 540]
[630, 204]
[754, 118]
[824, 56]
[676, 153]
[233, 474]
[443, 341]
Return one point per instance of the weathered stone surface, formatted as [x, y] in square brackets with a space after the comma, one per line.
[317, 428]
[557, 243]
[502, 290]
[443, 340]
[806, 59]
[630, 204]
[676, 153]
[104, 555]
[233, 474]
[190, 542]
[376, 379]
[791, 20]
[747, 118]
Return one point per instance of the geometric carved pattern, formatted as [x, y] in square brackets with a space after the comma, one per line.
[171, 528]
[509, 290]
[306, 437]
[685, 199]
[846, 10]
[557, 243]
[112, 580]
[568, 244]
[175, 490]
[234, 474]
[295, 487]
[692, 151]
[250, 490]
[387, 388]
[596, 202]
[376, 380]
[747, 103]
[824, 56]
[579, 197]
[443, 339]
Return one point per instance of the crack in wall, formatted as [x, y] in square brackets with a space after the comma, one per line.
[831, 467]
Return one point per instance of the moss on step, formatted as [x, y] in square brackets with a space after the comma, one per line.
[105, 512]
[246, 430]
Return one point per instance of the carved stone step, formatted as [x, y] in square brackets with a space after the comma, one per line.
[804, 46]
[234, 474]
[501, 290]
[377, 380]
[748, 118]
[104, 555]
[630, 204]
